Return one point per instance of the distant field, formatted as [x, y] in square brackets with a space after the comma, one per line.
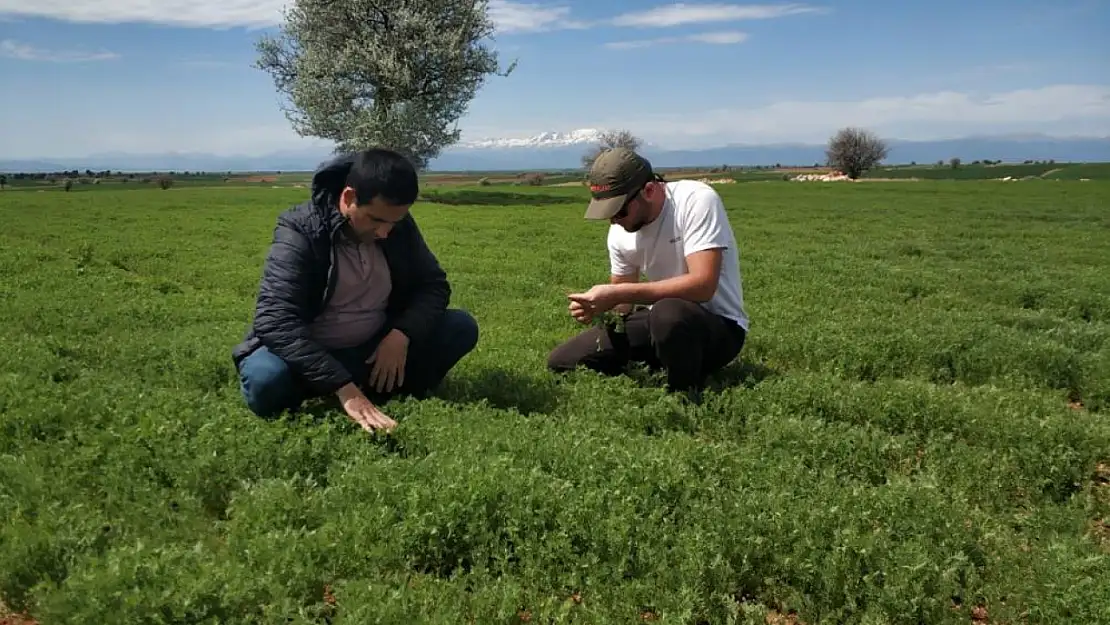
[916, 431]
[1052, 171]
[1091, 171]
[1068, 171]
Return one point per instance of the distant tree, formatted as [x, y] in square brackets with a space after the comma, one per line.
[954, 163]
[391, 73]
[854, 151]
[607, 141]
[3, 181]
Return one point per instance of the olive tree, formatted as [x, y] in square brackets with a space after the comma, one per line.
[854, 151]
[608, 140]
[389, 73]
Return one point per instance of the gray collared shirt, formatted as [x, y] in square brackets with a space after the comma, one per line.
[357, 309]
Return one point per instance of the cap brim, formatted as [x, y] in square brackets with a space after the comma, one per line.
[605, 208]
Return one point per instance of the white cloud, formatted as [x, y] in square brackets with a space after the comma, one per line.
[521, 17]
[1078, 109]
[720, 38]
[509, 16]
[1055, 110]
[15, 50]
[715, 38]
[68, 138]
[230, 140]
[199, 13]
[680, 14]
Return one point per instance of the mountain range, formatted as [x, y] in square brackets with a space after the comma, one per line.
[563, 150]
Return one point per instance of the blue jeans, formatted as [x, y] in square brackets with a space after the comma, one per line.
[270, 387]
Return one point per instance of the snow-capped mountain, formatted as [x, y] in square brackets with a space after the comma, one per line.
[581, 136]
[555, 150]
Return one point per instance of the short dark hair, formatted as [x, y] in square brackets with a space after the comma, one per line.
[379, 172]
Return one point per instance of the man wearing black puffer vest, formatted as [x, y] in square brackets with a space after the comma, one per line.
[352, 303]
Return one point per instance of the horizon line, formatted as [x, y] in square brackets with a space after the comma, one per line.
[1013, 136]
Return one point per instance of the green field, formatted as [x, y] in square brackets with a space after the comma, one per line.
[1049, 171]
[916, 430]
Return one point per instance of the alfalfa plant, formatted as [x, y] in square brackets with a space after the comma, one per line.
[609, 321]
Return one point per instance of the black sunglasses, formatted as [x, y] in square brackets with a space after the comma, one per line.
[623, 212]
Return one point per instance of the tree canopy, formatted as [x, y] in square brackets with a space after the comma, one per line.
[608, 140]
[854, 151]
[388, 73]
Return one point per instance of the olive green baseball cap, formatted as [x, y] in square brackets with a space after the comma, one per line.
[615, 175]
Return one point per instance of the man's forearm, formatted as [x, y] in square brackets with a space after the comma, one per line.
[321, 370]
[683, 287]
[348, 392]
[624, 309]
[289, 339]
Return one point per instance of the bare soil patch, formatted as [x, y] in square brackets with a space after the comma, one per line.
[1100, 527]
[7, 617]
[778, 618]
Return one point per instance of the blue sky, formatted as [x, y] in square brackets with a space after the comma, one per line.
[80, 77]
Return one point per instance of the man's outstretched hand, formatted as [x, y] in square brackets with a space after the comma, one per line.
[580, 312]
[599, 299]
[362, 411]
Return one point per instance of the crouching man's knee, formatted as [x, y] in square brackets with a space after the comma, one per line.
[563, 358]
[267, 384]
[459, 334]
[582, 351]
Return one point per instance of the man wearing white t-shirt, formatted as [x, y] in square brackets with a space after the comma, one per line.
[688, 316]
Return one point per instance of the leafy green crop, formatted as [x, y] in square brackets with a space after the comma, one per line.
[609, 321]
[916, 430]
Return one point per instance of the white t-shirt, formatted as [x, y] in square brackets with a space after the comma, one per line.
[693, 219]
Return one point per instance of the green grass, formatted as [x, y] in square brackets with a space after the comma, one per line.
[1090, 171]
[971, 171]
[895, 444]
